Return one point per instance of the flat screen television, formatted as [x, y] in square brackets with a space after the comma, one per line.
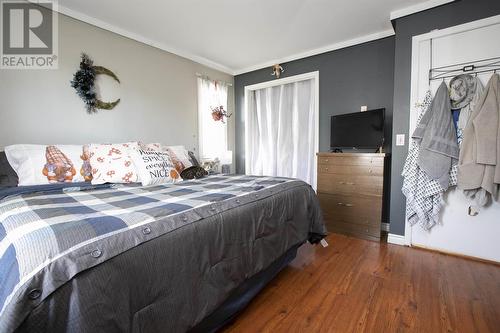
[360, 130]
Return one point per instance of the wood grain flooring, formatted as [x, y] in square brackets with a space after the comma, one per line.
[362, 286]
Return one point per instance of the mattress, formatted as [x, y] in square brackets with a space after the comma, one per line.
[143, 259]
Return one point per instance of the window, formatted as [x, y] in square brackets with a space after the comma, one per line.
[212, 133]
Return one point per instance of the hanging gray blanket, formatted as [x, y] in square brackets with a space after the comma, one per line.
[438, 138]
[424, 196]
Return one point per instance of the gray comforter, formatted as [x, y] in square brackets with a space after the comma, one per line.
[143, 259]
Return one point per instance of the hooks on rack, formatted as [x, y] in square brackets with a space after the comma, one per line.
[475, 67]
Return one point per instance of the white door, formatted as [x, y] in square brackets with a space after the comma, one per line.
[459, 233]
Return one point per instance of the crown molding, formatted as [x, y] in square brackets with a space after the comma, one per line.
[418, 8]
[328, 48]
[139, 38]
[207, 62]
[231, 71]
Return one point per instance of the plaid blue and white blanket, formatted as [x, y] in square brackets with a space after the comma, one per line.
[47, 238]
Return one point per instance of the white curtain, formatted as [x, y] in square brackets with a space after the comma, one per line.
[212, 134]
[281, 131]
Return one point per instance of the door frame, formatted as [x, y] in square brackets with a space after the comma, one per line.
[273, 83]
[416, 75]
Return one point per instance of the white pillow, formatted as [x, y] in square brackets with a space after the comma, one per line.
[154, 166]
[112, 163]
[149, 146]
[44, 164]
[179, 156]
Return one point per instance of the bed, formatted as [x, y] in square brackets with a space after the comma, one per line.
[126, 258]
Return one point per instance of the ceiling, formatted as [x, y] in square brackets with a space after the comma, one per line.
[237, 36]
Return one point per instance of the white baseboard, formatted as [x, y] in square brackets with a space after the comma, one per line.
[396, 239]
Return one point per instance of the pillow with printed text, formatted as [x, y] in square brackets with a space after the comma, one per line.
[154, 166]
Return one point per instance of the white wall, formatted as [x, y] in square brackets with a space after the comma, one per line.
[158, 94]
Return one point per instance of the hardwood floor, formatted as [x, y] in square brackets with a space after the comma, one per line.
[362, 286]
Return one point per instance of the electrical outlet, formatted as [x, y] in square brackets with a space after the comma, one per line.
[364, 108]
[400, 140]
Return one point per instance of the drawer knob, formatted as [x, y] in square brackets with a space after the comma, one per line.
[326, 169]
[326, 160]
[349, 183]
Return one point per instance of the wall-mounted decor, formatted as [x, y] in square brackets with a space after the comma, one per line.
[218, 114]
[277, 70]
[84, 84]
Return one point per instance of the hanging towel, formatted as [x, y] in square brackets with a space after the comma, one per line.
[424, 196]
[479, 163]
[438, 138]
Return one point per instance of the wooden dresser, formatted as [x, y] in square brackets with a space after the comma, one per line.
[350, 190]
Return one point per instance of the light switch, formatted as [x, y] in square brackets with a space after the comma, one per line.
[400, 140]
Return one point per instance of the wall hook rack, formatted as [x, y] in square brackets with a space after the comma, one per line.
[471, 67]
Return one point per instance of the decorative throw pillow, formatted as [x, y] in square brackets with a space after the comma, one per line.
[42, 164]
[8, 177]
[194, 172]
[179, 156]
[154, 167]
[150, 146]
[112, 163]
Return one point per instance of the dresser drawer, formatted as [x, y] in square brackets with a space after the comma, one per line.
[338, 159]
[359, 170]
[333, 183]
[363, 231]
[362, 210]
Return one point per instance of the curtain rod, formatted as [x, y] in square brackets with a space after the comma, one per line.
[208, 78]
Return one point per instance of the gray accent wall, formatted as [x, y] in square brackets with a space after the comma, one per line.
[445, 16]
[348, 78]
